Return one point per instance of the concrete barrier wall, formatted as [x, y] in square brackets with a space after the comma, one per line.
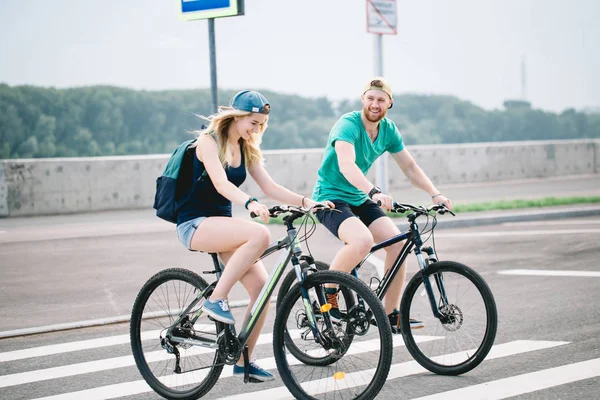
[70, 185]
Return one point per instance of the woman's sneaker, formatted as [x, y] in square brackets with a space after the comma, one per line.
[219, 310]
[254, 372]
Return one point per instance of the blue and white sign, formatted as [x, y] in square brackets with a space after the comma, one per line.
[203, 9]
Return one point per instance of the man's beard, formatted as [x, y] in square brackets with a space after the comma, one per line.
[379, 117]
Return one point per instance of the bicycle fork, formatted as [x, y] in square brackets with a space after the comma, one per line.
[324, 307]
[439, 281]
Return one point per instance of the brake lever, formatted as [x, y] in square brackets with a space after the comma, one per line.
[443, 210]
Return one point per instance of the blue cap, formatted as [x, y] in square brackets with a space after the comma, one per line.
[251, 101]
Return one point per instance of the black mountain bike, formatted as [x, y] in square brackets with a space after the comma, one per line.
[454, 302]
[181, 352]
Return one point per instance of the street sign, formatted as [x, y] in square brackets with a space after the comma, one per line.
[205, 9]
[381, 17]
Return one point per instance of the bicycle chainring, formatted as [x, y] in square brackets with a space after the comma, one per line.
[230, 349]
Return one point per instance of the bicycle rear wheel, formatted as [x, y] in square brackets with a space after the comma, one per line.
[160, 303]
[359, 354]
[462, 337]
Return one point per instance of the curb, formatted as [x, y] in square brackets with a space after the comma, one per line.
[524, 216]
[93, 323]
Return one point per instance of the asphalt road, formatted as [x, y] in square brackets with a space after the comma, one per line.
[62, 270]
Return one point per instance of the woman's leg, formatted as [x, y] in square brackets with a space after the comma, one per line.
[247, 240]
[253, 281]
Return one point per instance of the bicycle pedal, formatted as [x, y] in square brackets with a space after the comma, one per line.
[254, 380]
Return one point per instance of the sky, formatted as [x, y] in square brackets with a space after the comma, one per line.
[471, 49]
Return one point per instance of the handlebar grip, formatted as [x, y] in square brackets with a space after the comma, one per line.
[253, 215]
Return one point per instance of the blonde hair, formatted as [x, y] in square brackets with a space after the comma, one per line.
[219, 124]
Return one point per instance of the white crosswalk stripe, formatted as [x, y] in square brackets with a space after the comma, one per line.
[525, 383]
[413, 368]
[493, 389]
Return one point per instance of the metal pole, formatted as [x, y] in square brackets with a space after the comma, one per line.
[213, 64]
[381, 165]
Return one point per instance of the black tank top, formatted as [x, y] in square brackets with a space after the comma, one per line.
[204, 200]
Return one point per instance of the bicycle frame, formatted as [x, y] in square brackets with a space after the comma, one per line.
[413, 241]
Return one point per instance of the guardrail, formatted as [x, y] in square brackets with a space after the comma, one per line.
[69, 185]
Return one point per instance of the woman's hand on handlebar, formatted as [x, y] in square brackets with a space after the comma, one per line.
[260, 210]
[384, 201]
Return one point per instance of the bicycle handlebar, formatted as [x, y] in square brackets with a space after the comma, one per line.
[420, 210]
[275, 211]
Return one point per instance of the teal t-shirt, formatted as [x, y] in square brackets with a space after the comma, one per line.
[331, 184]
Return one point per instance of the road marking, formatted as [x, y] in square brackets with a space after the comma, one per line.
[91, 366]
[71, 346]
[548, 272]
[137, 387]
[476, 234]
[413, 368]
[525, 383]
[127, 361]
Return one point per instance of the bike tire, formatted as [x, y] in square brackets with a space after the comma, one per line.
[363, 366]
[147, 345]
[454, 355]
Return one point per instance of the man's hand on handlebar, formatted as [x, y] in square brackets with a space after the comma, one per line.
[315, 206]
[443, 200]
[384, 201]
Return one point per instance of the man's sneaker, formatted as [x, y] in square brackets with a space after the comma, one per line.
[416, 324]
[219, 310]
[254, 372]
[394, 319]
[332, 298]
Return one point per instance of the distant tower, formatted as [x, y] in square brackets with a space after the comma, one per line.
[521, 103]
[523, 80]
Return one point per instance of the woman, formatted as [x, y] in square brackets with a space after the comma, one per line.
[226, 149]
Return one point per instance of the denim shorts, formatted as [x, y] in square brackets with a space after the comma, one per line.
[185, 231]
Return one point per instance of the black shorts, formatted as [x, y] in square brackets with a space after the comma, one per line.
[367, 212]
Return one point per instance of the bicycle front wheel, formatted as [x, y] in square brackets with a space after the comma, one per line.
[173, 368]
[358, 353]
[462, 336]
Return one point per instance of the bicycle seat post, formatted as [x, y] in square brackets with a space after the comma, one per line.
[218, 266]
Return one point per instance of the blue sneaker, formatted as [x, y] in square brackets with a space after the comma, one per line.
[219, 310]
[254, 372]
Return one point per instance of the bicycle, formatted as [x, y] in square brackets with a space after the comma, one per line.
[181, 352]
[459, 311]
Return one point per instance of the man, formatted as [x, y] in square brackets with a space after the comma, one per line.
[355, 142]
